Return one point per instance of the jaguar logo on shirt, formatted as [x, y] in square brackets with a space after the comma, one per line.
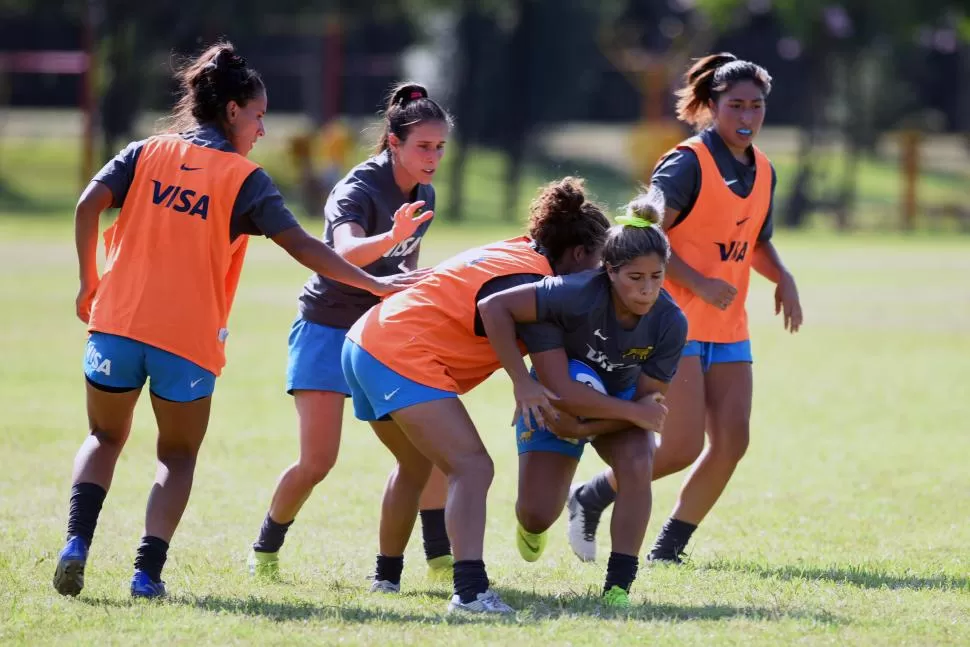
[639, 354]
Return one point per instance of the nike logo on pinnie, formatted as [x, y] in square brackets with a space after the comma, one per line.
[190, 168]
[744, 220]
[388, 396]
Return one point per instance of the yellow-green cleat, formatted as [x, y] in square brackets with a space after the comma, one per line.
[617, 597]
[441, 569]
[264, 566]
[531, 545]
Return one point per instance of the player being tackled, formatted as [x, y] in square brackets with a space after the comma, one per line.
[629, 334]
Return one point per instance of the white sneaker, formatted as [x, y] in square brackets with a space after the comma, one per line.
[384, 586]
[581, 529]
[487, 602]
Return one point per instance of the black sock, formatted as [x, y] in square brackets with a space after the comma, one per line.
[271, 535]
[596, 494]
[86, 501]
[151, 557]
[470, 579]
[621, 570]
[436, 541]
[389, 569]
[672, 539]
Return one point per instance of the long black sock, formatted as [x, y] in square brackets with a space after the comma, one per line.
[596, 494]
[151, 556]
[86, 502]
[621, 570]
[389, 568]
[470, 579]
[672, 539]
[435, 535]
[271, 535]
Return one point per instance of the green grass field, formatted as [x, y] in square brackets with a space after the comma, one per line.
[845, 524]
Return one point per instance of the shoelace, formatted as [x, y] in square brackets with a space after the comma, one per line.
[490, 600]
[591, 521]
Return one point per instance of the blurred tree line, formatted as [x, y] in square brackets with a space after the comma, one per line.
[868, 67]
[845, 70]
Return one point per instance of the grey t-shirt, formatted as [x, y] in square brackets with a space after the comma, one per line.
[258, 209]
[501, 284]
[367, 196]
[575, 312]
[678, 175]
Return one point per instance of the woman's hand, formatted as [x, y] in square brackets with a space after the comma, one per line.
[716, 292]
[787, 302]
[406, 223]
[653, 412]
[387, 285]
[85, 297]
[534, 402]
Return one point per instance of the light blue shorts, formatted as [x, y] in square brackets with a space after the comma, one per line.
[378, 390]
[714, 353]
[313, 362]
[124, 364]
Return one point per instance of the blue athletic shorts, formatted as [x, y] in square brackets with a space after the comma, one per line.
[543, 440]
[714, 353]
[313, 363]
[379, 391]
[121, 363]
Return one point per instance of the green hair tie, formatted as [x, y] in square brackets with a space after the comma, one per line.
[633, 221]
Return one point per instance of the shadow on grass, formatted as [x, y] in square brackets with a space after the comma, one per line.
[863, 576]
[530, 607]
[543, 607]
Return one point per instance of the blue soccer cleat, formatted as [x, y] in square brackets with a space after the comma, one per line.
[143, 586]
[69, 575]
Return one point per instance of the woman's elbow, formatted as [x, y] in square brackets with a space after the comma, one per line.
[343, 250]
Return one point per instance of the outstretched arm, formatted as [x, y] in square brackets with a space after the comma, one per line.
[317, 256]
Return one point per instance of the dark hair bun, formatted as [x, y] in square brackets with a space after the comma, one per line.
[565, 195]
[406, 93]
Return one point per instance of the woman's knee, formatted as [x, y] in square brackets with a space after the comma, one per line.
[415, 472]
[633, 468]
[113, 439]
[315, 467]
[318, 459]
[177, 453]
[681, 452]
[475, 467]
[536, 513]
[178, 459]
[730, 440]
